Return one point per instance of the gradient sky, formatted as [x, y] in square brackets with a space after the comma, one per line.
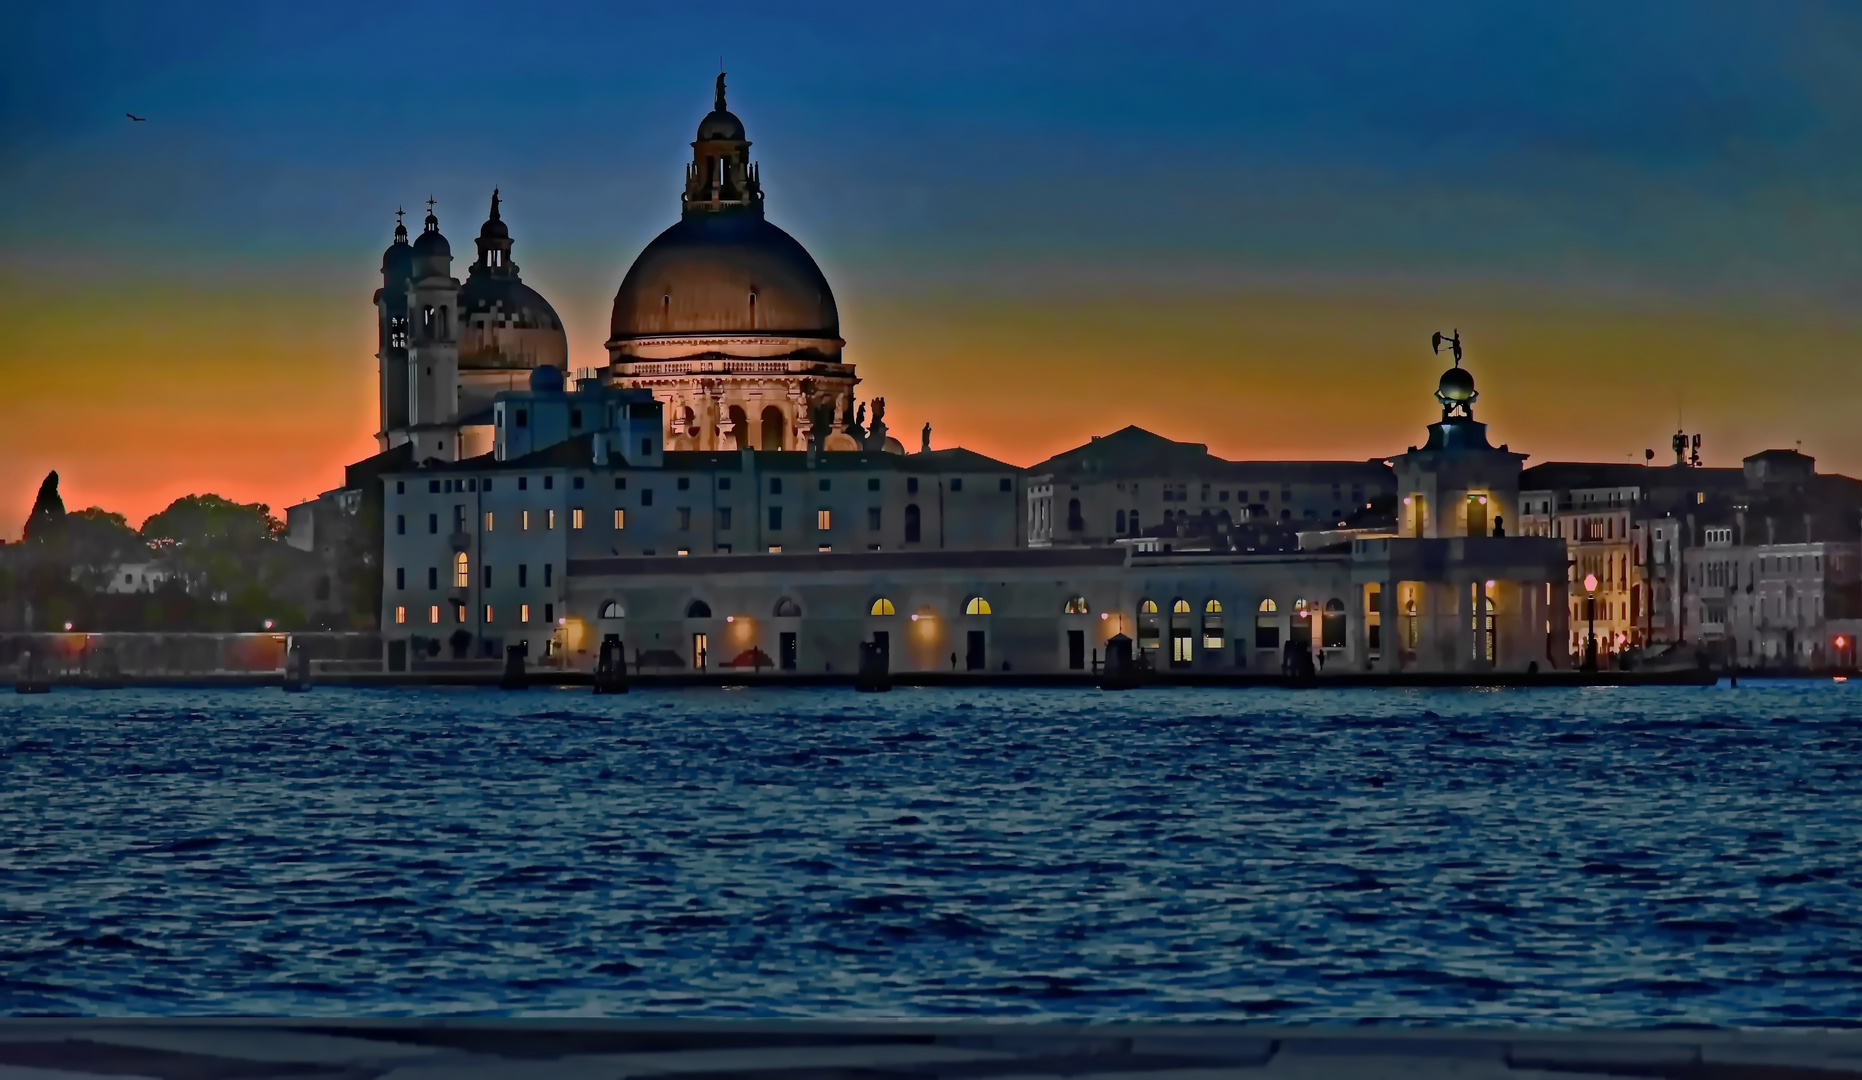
[1232, 223]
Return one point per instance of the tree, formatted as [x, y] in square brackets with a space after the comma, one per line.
[47, 519]
[208, 521]
[96, 542]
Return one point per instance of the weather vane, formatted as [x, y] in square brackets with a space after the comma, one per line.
[1454, 344]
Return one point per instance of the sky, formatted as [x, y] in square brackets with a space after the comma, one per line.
[1232, 223]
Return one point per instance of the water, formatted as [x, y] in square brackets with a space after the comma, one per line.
[1605, 856]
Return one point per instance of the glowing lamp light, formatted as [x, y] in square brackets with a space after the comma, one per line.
[268, 624]
[1490, 583]
[67, 626]
[914, 616]
[1841, 641]
[1104, 615]
[1590, 582]
[730, 618]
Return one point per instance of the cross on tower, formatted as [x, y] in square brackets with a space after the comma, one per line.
[398, 215]
[430, 201]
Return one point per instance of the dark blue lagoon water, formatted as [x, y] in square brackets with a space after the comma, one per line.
[1606, 856]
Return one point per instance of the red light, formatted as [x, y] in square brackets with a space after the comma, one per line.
[1841, 641]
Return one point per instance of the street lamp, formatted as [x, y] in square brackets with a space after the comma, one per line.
[1590, 618]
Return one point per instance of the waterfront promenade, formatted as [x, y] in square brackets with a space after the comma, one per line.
[611, 1050]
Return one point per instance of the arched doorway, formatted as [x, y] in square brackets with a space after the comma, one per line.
[775, 437]
[740, 428]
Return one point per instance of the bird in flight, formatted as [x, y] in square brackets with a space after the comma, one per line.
[134, 117]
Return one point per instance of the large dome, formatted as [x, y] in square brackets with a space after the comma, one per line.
[724, 273]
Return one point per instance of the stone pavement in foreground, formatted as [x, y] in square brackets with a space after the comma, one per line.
[772, 1050]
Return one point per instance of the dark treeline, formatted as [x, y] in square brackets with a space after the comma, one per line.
[204, 563]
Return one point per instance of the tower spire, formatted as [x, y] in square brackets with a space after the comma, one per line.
[720, 103]
[400, 227]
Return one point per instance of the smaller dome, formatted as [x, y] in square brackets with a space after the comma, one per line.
[494, 227]
[1457, 386]
[430, 243]
[721, 124]
[546, 379]
[398, 260]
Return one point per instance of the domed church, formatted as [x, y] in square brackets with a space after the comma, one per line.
[446, 348]
[727, 319]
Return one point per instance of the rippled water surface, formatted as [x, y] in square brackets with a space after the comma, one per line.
[1604, 856]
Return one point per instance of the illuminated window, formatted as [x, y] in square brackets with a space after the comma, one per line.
[1147, 607]
[1213, 607]
[1181, 607]
[400, 614]
[523, 613]
[549, 518]
[487, 614]
[620, 518]
[976, 606]
[575, 518]
[487, 521]
[1077, 606]
[883, 606]
[1212, 625]
[825, 548]
[525, 524]
[775, 549]
[824, 519]
[462, 571]
[433, 614]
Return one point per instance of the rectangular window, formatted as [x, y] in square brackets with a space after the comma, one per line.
[724, 483]
[620, 518]
[683, 551]
[523, 418]
[724, 517]
[956, 483]
[685, 518]
[872, 518]
[823, 484]
[547, 568]
[620, 483]
[685, 483]
[433, 487]
[523, 575]
[400, 614]
[433, 614]
[524, 520]
[549, 519]
[775, 549]
[575, 518]
[775, 519]
[646, 496]
[433, 577]
[400, 577]
[400, 524]
[549, 613]
[523, 483]
[433, 524]
[911, 485]
[523, 613]
[825, 548]
[487, 614]
[400, 487]
[775, 485]
[872, 484]
[1004, 485]
[549, 483]
[488, 521]
[824, 520]
[575, 418]
[485, 572]
[486, 486]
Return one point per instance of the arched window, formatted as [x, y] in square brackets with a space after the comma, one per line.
[1180, 606]
[1212, 625]
[698, 609]
[774, 437]
[976, 605]
[788, 609]
[1213, 607]
[1269, 605]
[883, 606]
[1147, 607]
[462, 571]
[1077, 606]
[611, 609]
[911, 523]
[1332, 625]
[740, 428]
[1267, 626]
